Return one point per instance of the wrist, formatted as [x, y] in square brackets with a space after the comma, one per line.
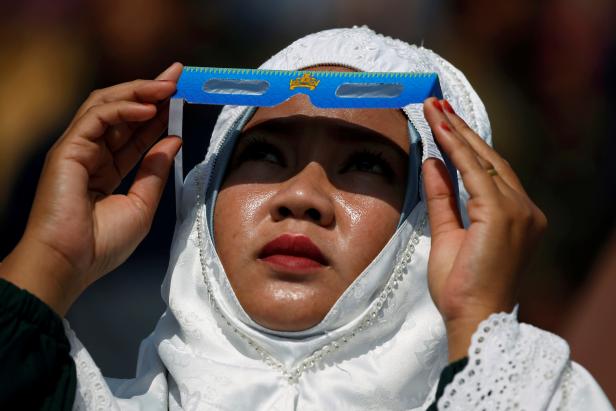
[459, 335]
[461, 329]
[43, 272]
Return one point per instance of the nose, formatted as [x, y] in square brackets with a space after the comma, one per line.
[305, 196]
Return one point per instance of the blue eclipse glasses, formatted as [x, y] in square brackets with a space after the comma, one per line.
[266, 88]
[326, 89]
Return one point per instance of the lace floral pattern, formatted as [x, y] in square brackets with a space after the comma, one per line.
[92, 391]
[511, 366]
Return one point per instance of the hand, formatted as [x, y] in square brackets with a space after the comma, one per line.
[474, 272]
[78, 230]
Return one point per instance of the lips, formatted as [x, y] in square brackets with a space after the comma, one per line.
[293, 253]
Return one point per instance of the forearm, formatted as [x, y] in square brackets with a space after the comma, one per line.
[44, 273]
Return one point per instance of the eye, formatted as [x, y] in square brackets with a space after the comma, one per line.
[368, 162]
[258, 149]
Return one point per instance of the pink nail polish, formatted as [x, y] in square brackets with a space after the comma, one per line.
[438, 105]
[448, 107]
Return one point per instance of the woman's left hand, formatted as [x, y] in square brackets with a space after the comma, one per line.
[474, 271]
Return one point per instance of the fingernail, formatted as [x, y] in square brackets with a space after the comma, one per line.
[167, 70]
[438, 105]
[445, 126]
[448, 107]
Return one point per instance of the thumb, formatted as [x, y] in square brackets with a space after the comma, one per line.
[440, 196]
[152, 176]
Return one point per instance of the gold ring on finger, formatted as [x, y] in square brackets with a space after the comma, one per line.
[492, 172]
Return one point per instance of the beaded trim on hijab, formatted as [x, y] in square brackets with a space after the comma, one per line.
[293, 375]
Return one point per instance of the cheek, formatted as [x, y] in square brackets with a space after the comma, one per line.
[368, 224]
[238, 211]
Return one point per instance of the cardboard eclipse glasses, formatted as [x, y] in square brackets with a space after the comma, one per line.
[266, 88]
[326, 89]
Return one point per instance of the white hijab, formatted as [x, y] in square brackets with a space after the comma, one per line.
[380, 347]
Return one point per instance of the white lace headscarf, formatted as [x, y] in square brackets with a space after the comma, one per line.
[381, 346]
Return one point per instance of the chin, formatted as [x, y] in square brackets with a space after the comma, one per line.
[288, 314]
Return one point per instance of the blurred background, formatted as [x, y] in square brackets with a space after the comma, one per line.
[545, 70]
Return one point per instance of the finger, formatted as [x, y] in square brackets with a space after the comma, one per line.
[485, 164]
[440, 198]
[483, 149]
[172, 73]
[150, 181]
[500, 183]
[84, 140]
[117, 137]
[129, 154]
[449, 126]
[476, 180]
[489, 169]
[95, 122]
[143, 91]
[116, 165]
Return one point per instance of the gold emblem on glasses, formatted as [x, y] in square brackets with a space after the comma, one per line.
[305, 81]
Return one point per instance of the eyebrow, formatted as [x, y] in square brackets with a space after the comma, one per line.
[342, 130]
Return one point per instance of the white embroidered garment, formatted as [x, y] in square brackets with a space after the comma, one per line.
[381, 346]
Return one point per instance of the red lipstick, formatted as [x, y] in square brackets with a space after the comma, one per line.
[294, 253]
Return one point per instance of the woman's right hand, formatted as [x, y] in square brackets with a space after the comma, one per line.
[78, 230]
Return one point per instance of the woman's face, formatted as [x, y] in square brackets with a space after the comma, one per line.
[310, 197]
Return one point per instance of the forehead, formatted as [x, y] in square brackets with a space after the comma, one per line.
[387, 122]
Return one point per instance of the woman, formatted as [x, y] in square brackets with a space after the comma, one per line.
[305, 273]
